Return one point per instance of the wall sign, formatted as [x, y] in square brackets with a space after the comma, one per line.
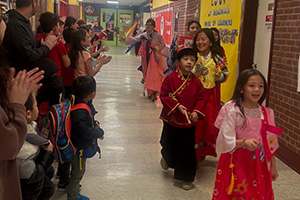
[163, 21]
[89, 10]
[226, 17]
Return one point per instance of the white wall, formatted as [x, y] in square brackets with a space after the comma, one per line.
[263, 38]
[146, 16]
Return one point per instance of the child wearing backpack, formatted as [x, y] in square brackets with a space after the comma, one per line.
[49, 23]
[84, 132]
[35, 159]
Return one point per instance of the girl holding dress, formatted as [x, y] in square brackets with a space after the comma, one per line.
[247, 142]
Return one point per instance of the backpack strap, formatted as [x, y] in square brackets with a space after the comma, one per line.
[82, 106]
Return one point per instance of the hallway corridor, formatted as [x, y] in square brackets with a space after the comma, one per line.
[129, 168]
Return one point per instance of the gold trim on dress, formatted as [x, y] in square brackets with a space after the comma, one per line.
[200, 112]
[173, 108]
[183, 82]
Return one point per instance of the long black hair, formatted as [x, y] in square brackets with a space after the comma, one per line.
[214, 48]
[69, 21]
[243, 78]
[76, 47]
[189, 23]
[218, 32]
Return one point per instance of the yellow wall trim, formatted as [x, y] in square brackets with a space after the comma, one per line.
[160, 3]
[50, 7]
[74, 2]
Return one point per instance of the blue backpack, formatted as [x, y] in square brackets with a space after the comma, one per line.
[60, 129]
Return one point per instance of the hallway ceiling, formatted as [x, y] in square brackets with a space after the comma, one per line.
[121, 2]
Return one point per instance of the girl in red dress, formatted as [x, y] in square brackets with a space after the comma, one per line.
[212, 71]
[247, 142]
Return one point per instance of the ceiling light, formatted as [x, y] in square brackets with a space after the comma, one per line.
[113, 2]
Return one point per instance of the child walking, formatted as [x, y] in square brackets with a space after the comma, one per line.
[212, 71]
[247, 142]
[183, 98]
[85, 133]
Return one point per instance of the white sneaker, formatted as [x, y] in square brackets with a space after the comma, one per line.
[187, 185]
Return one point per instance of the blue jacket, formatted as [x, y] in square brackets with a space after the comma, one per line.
[83, 130]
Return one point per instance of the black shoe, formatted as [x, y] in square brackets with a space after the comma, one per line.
[63, 187]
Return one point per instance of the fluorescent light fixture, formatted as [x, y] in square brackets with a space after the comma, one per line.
[113, 2]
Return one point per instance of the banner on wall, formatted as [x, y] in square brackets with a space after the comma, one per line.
[225, 16]
[163, 20]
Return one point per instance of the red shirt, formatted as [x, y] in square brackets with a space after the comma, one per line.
[56, 53]
[177, 90]
[68, 74]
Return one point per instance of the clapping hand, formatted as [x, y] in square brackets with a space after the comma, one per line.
[23, 84]
[103, 59]
[50, 41]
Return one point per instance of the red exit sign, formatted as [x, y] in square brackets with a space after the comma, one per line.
[269, 18]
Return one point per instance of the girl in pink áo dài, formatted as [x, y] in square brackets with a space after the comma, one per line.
[247, 142]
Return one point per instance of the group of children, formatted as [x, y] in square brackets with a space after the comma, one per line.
[78, 62]
[195, 125]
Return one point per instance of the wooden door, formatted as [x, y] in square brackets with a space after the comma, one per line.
[248, 34]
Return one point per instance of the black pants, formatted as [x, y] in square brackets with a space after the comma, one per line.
[178, 149]
[48, 186]
[63, 171]
[40, 190]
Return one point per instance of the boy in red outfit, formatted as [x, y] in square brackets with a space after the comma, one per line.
[183, 98]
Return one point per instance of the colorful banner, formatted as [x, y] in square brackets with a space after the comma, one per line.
[225, 16]
[163, 20]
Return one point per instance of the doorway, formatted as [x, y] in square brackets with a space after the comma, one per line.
[109, 22]
[248, 34]
[115, 21]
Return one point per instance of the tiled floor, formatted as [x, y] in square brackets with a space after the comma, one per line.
[129, 168]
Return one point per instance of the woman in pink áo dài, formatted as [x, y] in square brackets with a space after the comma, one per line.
[152, 45]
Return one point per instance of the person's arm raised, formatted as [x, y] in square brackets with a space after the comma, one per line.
[23, 84]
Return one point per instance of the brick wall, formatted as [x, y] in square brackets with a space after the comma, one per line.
[74, 11]
[186, 10]
[283, 97]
